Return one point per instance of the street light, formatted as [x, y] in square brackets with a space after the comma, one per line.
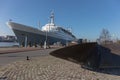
[48, 29]
[45, 43]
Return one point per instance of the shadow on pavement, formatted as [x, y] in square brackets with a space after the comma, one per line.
[91, 56]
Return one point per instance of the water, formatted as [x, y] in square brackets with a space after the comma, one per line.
[8, 44]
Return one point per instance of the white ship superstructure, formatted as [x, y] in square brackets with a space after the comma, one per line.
[57, 31]
[50, 33]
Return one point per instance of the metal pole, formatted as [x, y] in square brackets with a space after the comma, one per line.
[39, 25]
[46, 36]
[45, 43]
[39, 29]
[25, 40]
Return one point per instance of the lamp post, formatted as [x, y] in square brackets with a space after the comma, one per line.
[45, 43]
[48, 29]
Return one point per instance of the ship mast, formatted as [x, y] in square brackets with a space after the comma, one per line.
[38, 24]
[52, 18]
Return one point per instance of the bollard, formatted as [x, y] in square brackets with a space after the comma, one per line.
[28, 58]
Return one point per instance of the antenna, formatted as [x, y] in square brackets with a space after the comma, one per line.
[39, 24]
[52, 17]
[10, 20]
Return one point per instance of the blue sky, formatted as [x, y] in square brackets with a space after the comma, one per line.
[87, 18]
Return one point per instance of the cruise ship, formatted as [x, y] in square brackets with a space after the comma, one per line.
[49, 34]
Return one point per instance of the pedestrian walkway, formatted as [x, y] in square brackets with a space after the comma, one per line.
[50, 68]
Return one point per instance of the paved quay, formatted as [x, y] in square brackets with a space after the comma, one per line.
[17, 54]
[48, 67]
[17, 49]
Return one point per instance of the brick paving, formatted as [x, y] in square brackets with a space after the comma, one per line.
[50, 68]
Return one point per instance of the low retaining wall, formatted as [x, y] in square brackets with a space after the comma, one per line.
[90, 55]
[86, 54]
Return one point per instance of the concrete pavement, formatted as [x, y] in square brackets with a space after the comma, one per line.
[7, 57]
[50, 68]
[43, 66]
